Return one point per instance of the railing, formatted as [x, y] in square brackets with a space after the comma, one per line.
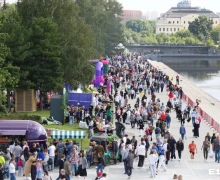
[166, 44]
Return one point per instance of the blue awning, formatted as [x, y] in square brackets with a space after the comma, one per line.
[68, 134]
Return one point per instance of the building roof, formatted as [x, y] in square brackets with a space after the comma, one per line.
[176, 12]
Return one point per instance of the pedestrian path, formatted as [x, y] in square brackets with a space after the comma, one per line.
[196, 169]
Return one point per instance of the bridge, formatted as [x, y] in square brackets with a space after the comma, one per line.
[170, 49]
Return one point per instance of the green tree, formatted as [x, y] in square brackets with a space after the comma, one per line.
[162, 38]
[210, 43]
[141, 25]
[215, 34]
[7, 10]
[201, 28]
[6, 78]
[189, 40]
[44, 62]
[75, 36]
[18, 42]
[183, 34]
[103, 17]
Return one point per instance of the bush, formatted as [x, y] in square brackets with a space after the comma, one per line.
[18, 116]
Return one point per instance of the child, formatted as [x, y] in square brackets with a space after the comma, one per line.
[39, 169]
[46, 176]
[20, 166]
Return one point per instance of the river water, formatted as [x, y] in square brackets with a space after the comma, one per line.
[208, 81]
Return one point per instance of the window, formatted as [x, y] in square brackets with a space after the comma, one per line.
[160, 29]
[174, 29]
[216, 22]
[177, 22]
[171, 29]
[169, 22]
[163, 29]
[184, 22]
[173, 22]
[167, 29]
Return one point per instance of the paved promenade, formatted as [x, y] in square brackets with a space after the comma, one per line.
[208, 104]
[196, 169]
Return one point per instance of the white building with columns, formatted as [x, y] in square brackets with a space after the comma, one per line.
[178, 18]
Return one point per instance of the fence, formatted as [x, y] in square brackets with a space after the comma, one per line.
[212, 122]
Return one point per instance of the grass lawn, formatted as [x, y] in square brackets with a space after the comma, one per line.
[44, 113]
[85, 142]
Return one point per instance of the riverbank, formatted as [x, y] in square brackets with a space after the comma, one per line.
[209, 108]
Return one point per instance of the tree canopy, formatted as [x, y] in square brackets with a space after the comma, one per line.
[142, 25]
[49, 43]
[201, 27]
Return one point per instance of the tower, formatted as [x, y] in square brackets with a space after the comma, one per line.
[184, 4]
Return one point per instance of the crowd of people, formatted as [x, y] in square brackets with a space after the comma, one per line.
[134, 80]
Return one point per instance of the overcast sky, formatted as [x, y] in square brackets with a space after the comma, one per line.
[162, 5]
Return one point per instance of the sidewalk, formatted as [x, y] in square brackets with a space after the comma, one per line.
[196, 169]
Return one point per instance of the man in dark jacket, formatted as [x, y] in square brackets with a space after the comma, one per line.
[61, 165]
[172, 143]
[168, 120]
[216, 149]
[179, 147]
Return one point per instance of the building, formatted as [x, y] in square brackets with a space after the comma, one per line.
[131, 14]
[152, 15]
[218, 13]
[178, 18]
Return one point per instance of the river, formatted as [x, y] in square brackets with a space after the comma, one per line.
[208, 81]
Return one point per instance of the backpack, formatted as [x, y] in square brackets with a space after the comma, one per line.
[49, 162]
[155, 108]
[20, 163]
[157, 130]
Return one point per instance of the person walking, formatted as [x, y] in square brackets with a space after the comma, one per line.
[12, 168]
[60, 147]
[153, 158]
[157, 132]
[168, 120]
[141, 127]
[101, 163]
[216, 149]
[130, 162]
[193, 116]
[82, 165]
[196, 129]
[172, 143]
[141, 154]
[74, 162]
[182, 131]
[17, 153]
[192, 149]
[179, 148]
[61, 165]
[67, 168]
[124, 154]
[205, 148]
[162, 155]
[51, 150]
